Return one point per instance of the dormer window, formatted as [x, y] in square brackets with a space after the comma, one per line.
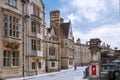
[11, 2]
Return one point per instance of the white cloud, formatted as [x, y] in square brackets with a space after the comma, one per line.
[108, 33]
[73, 18]
[90, 9]
[94, 14]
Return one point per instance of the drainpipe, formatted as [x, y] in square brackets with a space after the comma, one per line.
[28, 39]
[23, 55]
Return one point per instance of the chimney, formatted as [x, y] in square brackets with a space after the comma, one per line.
[61, 20]
[55, 18]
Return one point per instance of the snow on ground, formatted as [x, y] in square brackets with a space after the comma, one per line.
[69, 74]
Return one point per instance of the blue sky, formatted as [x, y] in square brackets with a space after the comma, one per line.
[90, 18]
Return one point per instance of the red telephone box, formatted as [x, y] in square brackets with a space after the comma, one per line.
[93, 69]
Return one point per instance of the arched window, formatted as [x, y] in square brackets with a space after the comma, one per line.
[51, 51]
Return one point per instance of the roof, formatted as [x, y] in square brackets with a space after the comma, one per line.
[65, 28]
[58, 31]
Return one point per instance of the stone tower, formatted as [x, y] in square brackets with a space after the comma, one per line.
[94, 67]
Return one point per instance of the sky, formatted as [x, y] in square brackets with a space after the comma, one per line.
[90, 18]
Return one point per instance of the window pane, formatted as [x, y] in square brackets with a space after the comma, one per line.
[4, 62]
[5, 24]
[13, 53]
[10, 32]
[6, 58]
[34, 11]
[53, 64]
[5, 17]
[17, 27]
[8, 62]
[10, 26]
[14, 27]
[14, 3]
[11, 2]
[13, 33]
[17, 34]
[6, 1]
[9, 53]
[5, 32]
[5, 53]
[34, 27]
[14, 19]
[33, 65]
[10, 18]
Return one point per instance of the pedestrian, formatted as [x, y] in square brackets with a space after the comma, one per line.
[75, 67]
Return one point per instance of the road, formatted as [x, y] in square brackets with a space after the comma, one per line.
[70, 74]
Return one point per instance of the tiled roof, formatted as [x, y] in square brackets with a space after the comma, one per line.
[65, 28]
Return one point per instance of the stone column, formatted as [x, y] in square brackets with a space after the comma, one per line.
[94, 66]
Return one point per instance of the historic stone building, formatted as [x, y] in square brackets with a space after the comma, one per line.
[53, 56]
[64, 33]
[34, 37]
[82, 53]
[11, 38]
[77, 50]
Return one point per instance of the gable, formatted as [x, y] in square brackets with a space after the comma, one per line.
[67, 30]
[70, 33]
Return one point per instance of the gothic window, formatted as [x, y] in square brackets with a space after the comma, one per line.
[15, 58]
[11, 2]
[53, 64]
[39, 65]
[33, 65]
[10, 58]
[33, 43]
[6, 58]
[33, 29]
[11, 26]
[52, 51]
[5, 28]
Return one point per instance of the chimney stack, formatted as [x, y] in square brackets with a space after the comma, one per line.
[55, 18]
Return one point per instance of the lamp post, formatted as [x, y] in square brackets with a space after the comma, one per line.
[23, 55]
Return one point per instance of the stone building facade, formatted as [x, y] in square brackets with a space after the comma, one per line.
[34, 37]
[53, 56]
[82, 53]
[11, 38]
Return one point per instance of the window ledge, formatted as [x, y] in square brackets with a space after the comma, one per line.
[11, 6]
[10, 67]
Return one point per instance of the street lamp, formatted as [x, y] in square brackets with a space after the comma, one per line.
[23, 19]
